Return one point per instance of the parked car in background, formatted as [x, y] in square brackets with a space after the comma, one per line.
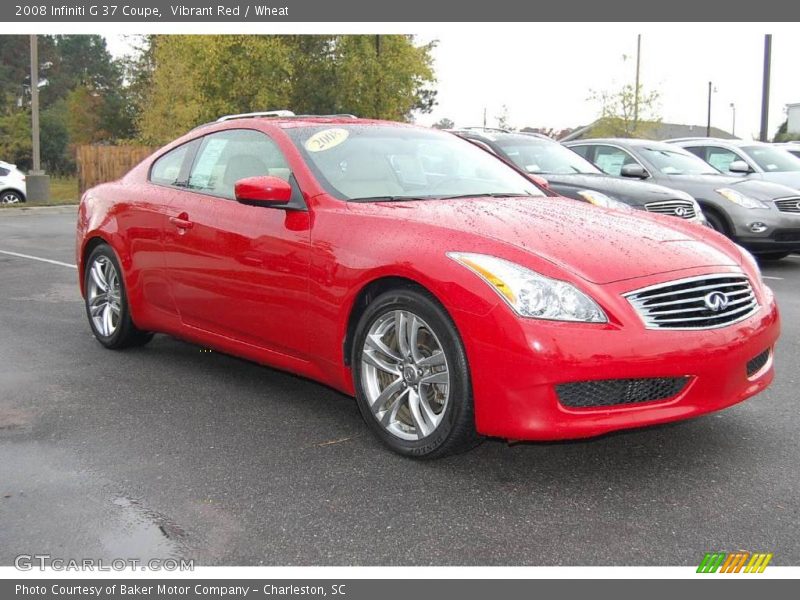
[435, 283]
[12, 184]
[568, 174]
[755, 160]
[763, 217]
[790, 147]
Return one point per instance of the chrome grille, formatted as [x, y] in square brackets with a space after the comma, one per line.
[676, 208]
[788, 205]
[704, 302]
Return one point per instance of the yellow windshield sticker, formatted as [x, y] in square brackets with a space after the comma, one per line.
[326, 139]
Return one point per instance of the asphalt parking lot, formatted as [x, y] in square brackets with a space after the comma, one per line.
[169, 451]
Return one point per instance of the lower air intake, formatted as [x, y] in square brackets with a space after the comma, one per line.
[615, 392]
[754, 365]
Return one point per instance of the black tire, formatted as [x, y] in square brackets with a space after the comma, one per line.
[125, 334]
[769, 256]
[11, 197]
[455, 432]
[717, 223]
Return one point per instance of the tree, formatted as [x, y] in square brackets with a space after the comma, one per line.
[197, 78]
[193, 79]
[783, 135]
[503, 119]
[618, 108]
[85, 116]
[444, 123]
[373, 76]
[15, 138]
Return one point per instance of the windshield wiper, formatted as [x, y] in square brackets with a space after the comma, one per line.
[489, 195]
[389, 199]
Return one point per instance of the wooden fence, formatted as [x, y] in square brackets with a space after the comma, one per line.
[99, 164]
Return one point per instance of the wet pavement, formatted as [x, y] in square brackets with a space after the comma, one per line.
[169, 452]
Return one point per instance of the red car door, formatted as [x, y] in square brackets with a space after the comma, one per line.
[236, 270]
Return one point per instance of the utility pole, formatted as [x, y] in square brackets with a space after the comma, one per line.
[484, 117]
[708, 125]
[765, 87]
[636, 88]
[37, 159]
[733, 123]
[37, 183]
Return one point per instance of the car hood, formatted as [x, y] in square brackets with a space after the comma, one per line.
[636, 193]
[596, 244]
[707, 184]
[788, 178]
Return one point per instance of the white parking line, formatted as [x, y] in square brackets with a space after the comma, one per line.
[39, 258]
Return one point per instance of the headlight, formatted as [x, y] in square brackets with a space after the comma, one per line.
[740, 199]
[531, 294]
[600, 199]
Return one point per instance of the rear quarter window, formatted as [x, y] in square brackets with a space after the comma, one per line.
[167, 168]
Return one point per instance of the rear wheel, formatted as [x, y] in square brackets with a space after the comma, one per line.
[107, 303]
[411, 377]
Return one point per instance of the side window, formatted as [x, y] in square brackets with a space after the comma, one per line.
[610, 160]
[228, 156]
[4, 172]
[167, 168]
[720, 158]
[584, 151]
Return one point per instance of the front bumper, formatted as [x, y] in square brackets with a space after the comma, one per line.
[515, 376]
[781, 233]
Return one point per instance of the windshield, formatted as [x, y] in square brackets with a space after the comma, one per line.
[677, 162]
[773, 160]
[385, 162]
[544, 157]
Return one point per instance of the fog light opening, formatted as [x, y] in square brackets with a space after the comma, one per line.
[757, 227]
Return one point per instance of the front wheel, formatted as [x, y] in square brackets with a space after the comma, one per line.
[411, 376]
[107, 302]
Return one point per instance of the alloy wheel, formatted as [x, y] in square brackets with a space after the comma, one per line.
[104, 296]
[405, 375]
[9, 198]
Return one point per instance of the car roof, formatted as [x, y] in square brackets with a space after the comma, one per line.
[630, 142]
[289, 121]
[490, 134]
[717, 142]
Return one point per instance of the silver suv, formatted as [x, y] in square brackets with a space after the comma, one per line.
[755, 160]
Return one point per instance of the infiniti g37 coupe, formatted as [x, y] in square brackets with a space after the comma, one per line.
[438, 285]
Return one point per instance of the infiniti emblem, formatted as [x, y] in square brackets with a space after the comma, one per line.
[680, 212]
[716, 301]
[797, 206]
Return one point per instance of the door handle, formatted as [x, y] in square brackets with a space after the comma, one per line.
[182, 221]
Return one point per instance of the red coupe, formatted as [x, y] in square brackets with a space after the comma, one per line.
[442, 288]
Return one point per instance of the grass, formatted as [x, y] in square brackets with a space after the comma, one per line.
[63, 190]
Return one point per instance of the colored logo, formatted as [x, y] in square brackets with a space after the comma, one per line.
[716, 301]
[734, 562]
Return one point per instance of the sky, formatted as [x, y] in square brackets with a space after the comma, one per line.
[544, 73]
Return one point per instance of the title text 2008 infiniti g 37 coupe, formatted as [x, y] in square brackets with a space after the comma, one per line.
[435, 283]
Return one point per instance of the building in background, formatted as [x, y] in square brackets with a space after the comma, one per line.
[793, 118]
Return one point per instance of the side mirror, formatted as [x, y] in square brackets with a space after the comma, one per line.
[739, 166]
[634, 170]
[263, 191]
